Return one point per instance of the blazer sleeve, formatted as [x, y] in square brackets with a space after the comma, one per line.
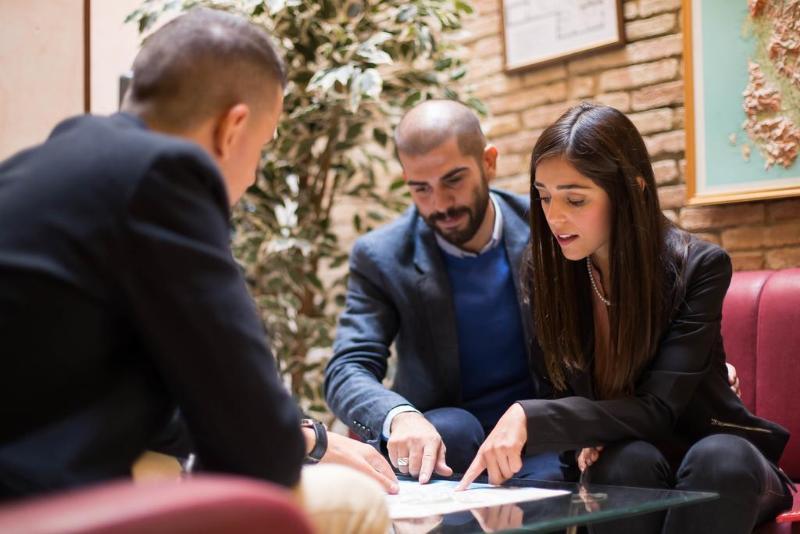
[192, 310]
[665, 387]
[367, 328]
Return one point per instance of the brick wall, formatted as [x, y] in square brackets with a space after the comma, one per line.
[643, 79]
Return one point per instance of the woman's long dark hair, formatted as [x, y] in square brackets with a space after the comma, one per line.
[645, 257]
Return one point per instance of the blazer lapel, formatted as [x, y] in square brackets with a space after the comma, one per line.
[435, 299]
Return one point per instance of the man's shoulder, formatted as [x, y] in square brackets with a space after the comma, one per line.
[100, 162]
[122, 137]
[124, 150]
[400, 230]
[389, 248]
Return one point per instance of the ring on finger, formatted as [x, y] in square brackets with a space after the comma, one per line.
[402, 462]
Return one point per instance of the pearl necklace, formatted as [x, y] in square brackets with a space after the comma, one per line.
[594, 285]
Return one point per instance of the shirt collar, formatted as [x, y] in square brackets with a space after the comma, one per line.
[497, 236]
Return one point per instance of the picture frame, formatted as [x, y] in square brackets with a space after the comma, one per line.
[728, 158]
[539, 32]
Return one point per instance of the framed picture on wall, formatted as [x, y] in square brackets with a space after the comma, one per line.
[742, 100]
[537, 32]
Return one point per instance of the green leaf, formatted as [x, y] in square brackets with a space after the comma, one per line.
[324, 80]
[458, 73]
[369, 83]
[464, 7]
[412, 99]
[478, 106]
[407, 13]
[373, 55]
[315, 281]
[355, 9]
[354, 131]
[443, 64]
[380, 136]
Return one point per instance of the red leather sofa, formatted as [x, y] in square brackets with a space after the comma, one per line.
[761, 333]
[207, 504]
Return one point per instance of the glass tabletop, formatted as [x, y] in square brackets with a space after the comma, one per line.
[583, 505]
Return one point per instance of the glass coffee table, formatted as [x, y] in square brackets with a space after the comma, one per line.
[580, 505]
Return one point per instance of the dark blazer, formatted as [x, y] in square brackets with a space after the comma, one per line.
[683, 394]
[398, 292]
[119, 298]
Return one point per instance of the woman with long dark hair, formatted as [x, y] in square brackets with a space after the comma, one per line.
[627, 310]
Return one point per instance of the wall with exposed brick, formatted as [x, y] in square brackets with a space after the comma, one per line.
[643, 79]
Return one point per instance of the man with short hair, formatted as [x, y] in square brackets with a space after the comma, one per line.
[442, 282]
[120, 297]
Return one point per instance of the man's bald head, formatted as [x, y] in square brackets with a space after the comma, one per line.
[431, 123]
[200, 64]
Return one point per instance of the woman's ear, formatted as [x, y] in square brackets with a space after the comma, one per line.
[641, 182]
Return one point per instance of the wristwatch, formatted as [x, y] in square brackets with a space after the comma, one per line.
[321, 440]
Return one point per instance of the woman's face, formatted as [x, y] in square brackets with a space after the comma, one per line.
[577, 210]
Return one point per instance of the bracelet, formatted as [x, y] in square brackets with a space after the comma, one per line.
[321, 440]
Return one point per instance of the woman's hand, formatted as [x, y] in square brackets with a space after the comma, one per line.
[588, 456]
[733, 380]
[499, 518]
[501, 453]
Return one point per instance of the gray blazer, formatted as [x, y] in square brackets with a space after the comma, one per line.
[398, 291]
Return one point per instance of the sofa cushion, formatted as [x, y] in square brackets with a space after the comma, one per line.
[739, 320]
[778, 360]
[761, 333]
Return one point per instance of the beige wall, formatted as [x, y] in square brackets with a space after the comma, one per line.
[114, 45]
[42, 68]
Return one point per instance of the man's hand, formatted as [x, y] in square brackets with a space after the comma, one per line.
[416, 448]
[361, 457]
[733, 380]
[501, 453]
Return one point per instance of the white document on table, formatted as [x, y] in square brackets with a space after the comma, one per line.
[438, 497]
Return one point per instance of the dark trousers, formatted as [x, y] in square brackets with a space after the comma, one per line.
[750, 488]
[463, 435]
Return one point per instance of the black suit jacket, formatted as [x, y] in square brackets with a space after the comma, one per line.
[682, 396]
[119, 298]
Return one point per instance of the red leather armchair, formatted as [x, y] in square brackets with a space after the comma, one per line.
[761, 333]
[203, 504]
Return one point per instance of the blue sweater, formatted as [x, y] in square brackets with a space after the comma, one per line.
[491, 341]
